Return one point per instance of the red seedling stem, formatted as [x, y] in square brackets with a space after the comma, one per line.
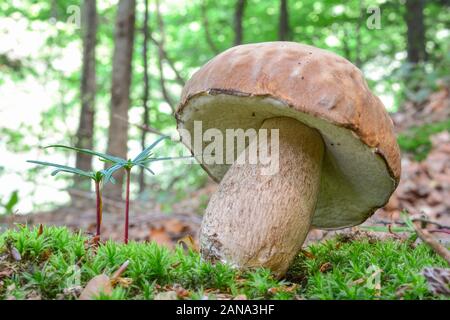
[99, 207]
[127, 205]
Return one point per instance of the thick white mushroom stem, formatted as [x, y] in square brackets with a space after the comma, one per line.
[257, 220]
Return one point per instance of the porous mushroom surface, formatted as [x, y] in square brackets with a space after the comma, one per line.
[248, 85]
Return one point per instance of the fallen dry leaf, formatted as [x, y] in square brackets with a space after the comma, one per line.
[325, 267]
[291, 288]
[180, 291]
[124, 282]
[188, 243]
[40, 230]
[307, 254]
[160, 236]
[98, 284]
[273, 290]
[175, 226]
[424, 186]
[438, 280]
[104, 284]
[240, 297]
[8, 270]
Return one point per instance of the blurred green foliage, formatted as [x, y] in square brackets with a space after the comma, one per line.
[330, 24]
[417, 140]
[10, 203]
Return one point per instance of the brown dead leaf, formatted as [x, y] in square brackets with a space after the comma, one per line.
[273, 290]
[438, 280]
[307, 254]
[92, 243]
[291, 288]
[240, 297]
[181, 292]
[189, 243]
[98, 284]
[40, 230]
[105, 284]
[175, 226]
[287, 288]
[45, 255]
[325, 267]
[160, 236]
[124, 282]
[6, 273]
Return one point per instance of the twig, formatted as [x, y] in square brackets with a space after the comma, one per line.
[439, 225]
[396, 236]
[209, 39]
[447, 231]
[171, 64]
[162, 80]
[433, 243]
[145, 128]
[430, 222]
[145, 97]
[121, 270]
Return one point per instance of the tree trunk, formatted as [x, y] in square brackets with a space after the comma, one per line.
[238, 16]
[283, 32]
[209, 40]
[85, 132]
[416, 30]
[162, 79]
[145, 97]
[120, 88]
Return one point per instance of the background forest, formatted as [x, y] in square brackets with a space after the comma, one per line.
[61, 82]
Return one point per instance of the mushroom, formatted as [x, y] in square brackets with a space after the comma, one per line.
[338, 156]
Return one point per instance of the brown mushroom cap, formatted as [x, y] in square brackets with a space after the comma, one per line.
[247, 84]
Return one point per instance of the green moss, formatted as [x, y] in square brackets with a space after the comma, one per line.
[59, 259]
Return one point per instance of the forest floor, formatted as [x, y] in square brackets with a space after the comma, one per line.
[54, 263]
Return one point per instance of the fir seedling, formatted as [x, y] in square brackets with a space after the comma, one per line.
[97, 176]
[142, 160]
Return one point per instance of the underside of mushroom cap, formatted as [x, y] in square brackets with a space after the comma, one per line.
[248, 84]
